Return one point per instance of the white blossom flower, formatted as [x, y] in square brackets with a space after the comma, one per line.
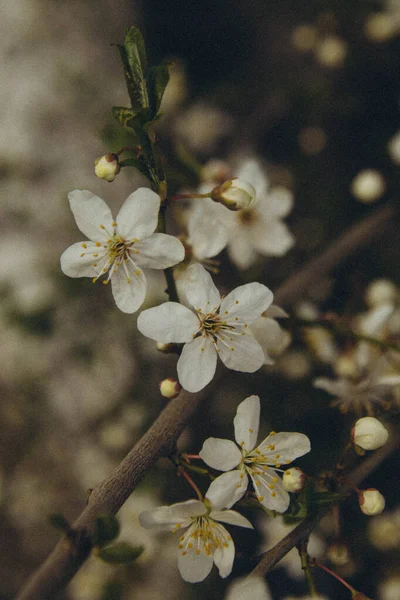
[121, 247]
[247, 233]
[371, 502]
[206, 541]
[215, 327]
[369, 433]
[260, 463]
[253, 587]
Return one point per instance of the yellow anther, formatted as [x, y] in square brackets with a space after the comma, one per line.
[232, 349]
[184, 553]
[94, 279]
[277, 455]
[236, 301]
[251, 429]
[225, 312]
[236, 318]
[98, 244]
[128, 280]
[273, 433]
[137, 272]
[102, 227]
[135, 240]
[273, 494]
[260, 498]
[245, 325]
[202, 349]
[105, 281]
[114, 224]
[287, 462]
[95, 255]
[190, 545]
[198, 551]
[278, 465]
[83, 254]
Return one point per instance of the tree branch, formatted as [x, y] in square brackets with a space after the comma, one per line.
[354, 238]
[66, 559]
[270, 558]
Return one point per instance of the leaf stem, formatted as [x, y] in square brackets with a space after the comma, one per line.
[306, 566]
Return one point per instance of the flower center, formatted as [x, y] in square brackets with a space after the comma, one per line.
[204, 535]
[118, 248]
[247, 217]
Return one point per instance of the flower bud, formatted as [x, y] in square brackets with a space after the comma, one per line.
[368, 186]
[371, 502]
[170, 388]
[107, 167]
[369, 433]
[166, 348]
[293, 479]
[235, 194]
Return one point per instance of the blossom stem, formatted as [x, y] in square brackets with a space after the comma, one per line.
[342, 330]
[188, 196]
[169, 272]
[306, 566]
[189, 456]
[316, 564]
[182, 471]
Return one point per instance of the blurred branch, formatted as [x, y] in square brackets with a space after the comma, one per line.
[298, 535]
[354, 238]
[109, 496]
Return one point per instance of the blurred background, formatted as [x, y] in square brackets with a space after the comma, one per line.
[313, 91]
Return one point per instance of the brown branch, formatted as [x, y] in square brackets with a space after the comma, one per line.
[66, 559]
[354, 238]
[270, 558]
[110, 495]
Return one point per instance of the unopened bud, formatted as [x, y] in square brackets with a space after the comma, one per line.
[166, 348]
[293, 479]
[107, 167]
[235, 194]
[170, 388]
[371, 502]
[338, 554]
[369, 433]
[368, 186]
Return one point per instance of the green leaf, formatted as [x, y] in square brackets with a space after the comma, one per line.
[135, 54]
[59, 522]
[120, 553]
[124, 115]
[106, 529]
[157, 81]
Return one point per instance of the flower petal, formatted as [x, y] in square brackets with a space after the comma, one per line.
[240, 248]
[194, 567]
[224, 556]
[196, 365]
[129, 287]
[169, 322]
[208, 228]
[227, 489]
[231, 517]
[78, 260]
[158, 251]
[138, 215]
[272, 238]
[289, 445]
[166, 518]
[246, 422]
[200, 290]
[247, 354]
[90, 213]
[247, 302]
[222, 455]
[277, 203]
[276, 498]
[271, 337]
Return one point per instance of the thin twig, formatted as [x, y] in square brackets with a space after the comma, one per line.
[270, 558]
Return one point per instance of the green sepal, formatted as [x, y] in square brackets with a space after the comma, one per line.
[157, 81]
[120, 553]
[320, 499]
[106, 529]
[60, 523]
[125, 116]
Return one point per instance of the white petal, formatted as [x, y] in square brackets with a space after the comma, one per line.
[246, 422]
[196, 365]
[224, 557]
[336, 387]
[128, 287]
[138, 215]
[78, 261]
[274, 499]
[287, 444]
[240, 248]
[169, 322]
[252, 171]
[222, 455]
[247, 354]
[231, 517]
[273, 238]
[247, 302]
[200, 290]
[90, 213]
[165, 518]
[270, 335]
[275, 312]
[251, 587]
[208, 228]
[227, 489]
[158, 251]
[194, 567]
[277, 203]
